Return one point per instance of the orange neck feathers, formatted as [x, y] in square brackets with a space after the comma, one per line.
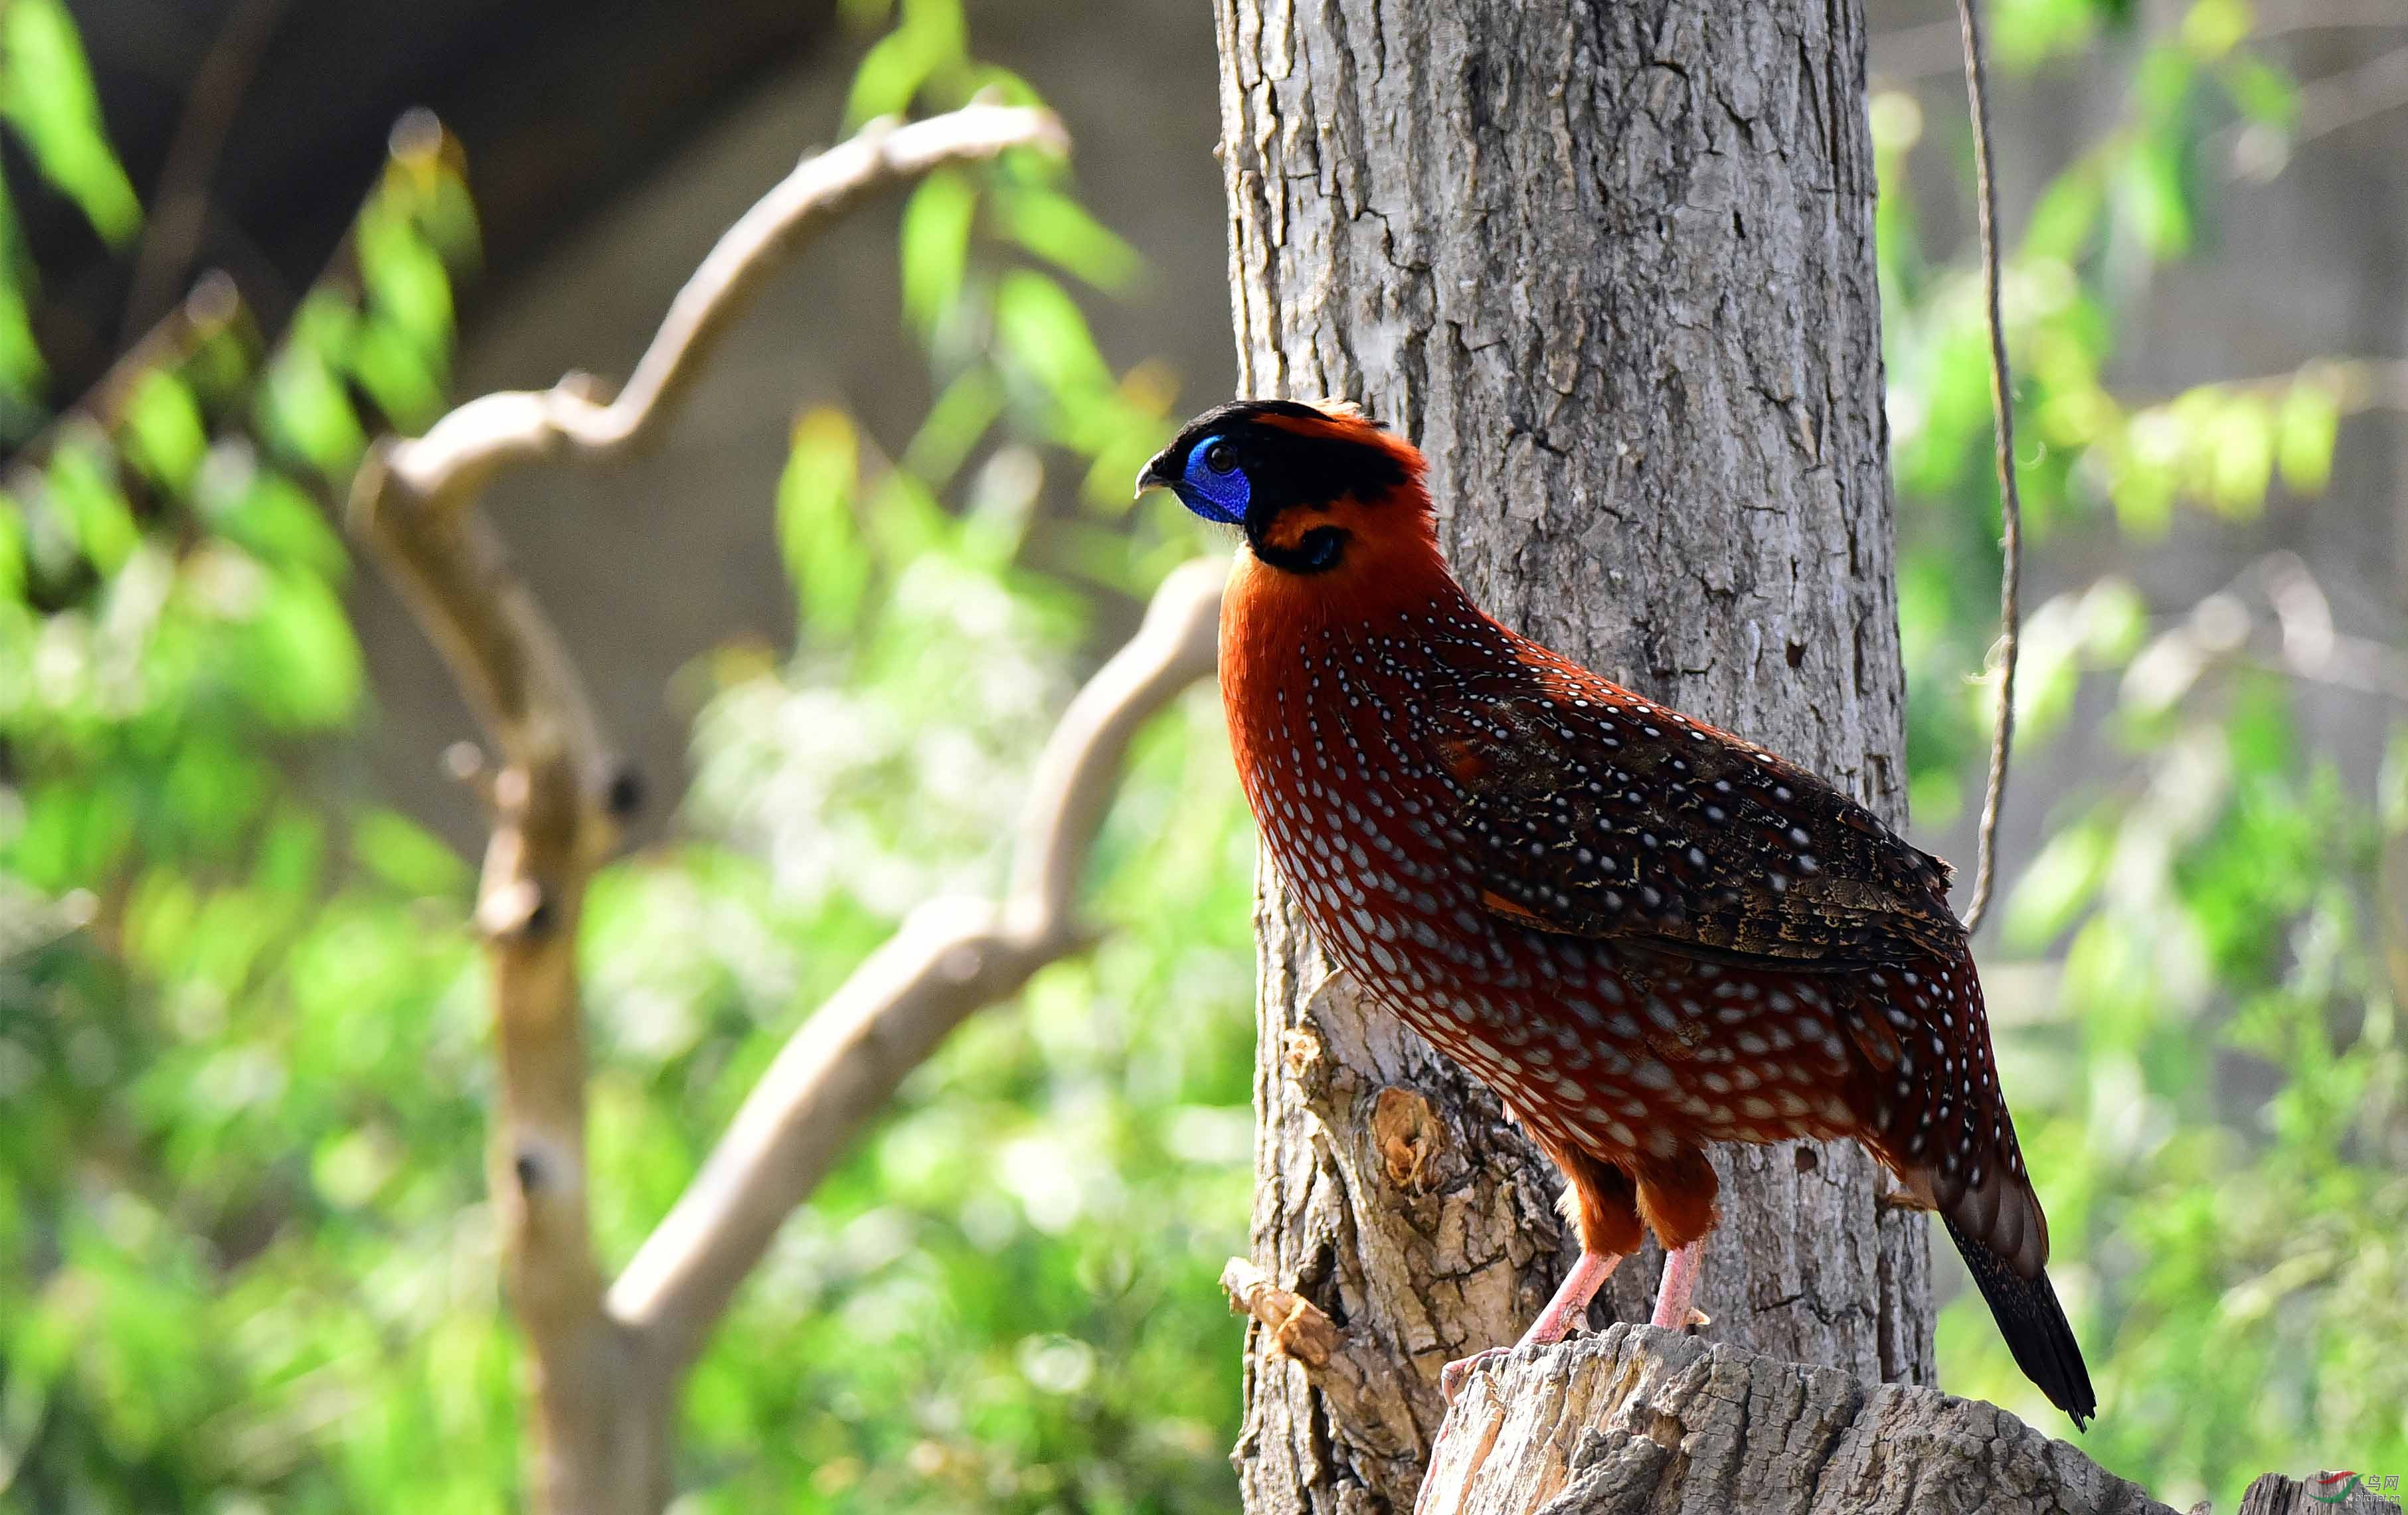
[1389, 568]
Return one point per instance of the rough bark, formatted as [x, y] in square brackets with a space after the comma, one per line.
[1639, 1419]
[2329, 1495]
[1612, 267]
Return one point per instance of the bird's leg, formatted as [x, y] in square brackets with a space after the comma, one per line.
[1554, 1324]
[1679, 1286]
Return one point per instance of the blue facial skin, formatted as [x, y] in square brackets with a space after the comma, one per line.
[1215, 496]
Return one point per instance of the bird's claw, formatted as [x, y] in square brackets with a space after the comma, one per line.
[1451, 1378]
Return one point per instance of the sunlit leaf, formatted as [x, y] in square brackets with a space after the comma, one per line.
[84, 492]
[1042, 328]
[2151, 196]
[892, 73]
[2212, 28]
[826, 556]
[12, 549]
[935, 244]
[277, 521]
[20, 357]
[405, 279]
[1060, 230]
[2240, 454]
[963, 413]
[401, 852]
[2308, 427]
[46, 92]
[303, 405]
[163, 430]
[2265, 93]
[303, 666]
[904, 518]
[2066, 216]
[394, 370]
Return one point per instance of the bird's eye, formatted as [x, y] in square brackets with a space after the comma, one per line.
[1221, 457]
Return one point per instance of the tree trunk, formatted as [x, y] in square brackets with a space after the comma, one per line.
[1612, 267]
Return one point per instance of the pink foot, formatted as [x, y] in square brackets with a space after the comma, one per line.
[1680, 1286]
[1451, 1377]
[1554, 1324]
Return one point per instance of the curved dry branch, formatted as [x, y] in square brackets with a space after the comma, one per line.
[950, 959]
[602, 1419]
[460, 453]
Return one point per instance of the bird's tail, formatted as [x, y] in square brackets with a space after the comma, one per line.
[2034, 1325]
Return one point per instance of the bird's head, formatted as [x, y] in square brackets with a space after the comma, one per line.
[1314, 487]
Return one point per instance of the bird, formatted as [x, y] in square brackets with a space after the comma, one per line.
[1647, 934]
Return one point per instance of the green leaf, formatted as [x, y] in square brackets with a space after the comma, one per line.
[2263, 93]
[20, 357]
[931, 43]
[12, 550]
[825, 555]
[2026, 33]
[2212, 28]
[2151, 194]
[277, 521]
[1041, 326]
[406, 855]
[303, 407]
[394, 368]
[2308, 427]
[83, 488]
[907, 520]
[890, 74]
[2240, 455]
[46, 92]
[1058, 229]
[961, 416]
[301, 664]
[2058, 885]
[164, 433]
[935, 244]
[405, 277]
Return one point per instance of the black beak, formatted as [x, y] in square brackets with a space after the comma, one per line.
[1161, 473]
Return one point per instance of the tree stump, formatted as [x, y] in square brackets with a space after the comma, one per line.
[1641, 1419]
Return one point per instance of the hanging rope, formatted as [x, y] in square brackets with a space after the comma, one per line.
[2011, 510]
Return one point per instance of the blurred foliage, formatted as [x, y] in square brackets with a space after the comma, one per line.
[2198, 1025]
[245, 1261]
[54, 115]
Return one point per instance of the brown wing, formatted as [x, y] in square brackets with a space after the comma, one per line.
[1598, 814]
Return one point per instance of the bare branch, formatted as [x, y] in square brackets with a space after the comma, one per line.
[602, 1404]
[2220, 630]
[180, 200]
[461, 452]
[950, 959]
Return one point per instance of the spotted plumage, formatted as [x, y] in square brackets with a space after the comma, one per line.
[1646, 934]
